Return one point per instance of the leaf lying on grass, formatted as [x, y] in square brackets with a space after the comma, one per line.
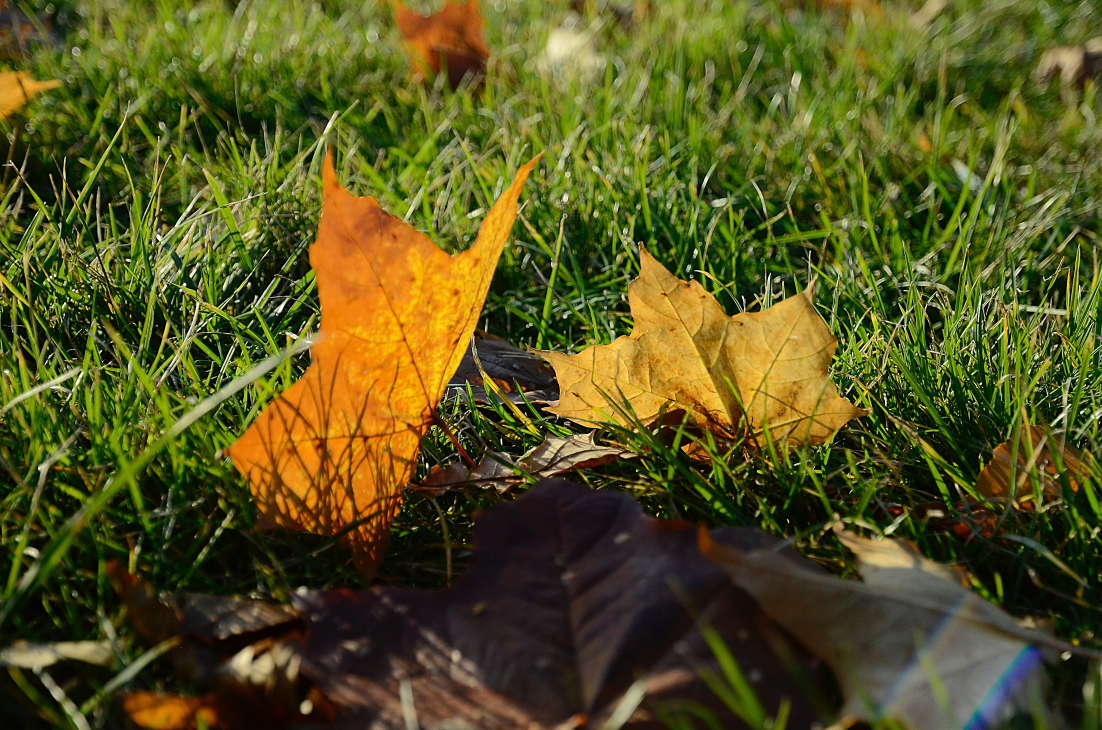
[556, 455]
[332, 452]
[227, 646]
[517, 375]
[908, 643]
[576, 607]
[450, 38]
[1034, 450]
[17, 88]
[572, 598]
[736, 376]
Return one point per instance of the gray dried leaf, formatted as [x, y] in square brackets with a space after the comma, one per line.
[885, 635]
[556, 455]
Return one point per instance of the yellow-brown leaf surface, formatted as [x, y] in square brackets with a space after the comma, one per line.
[17, 88]
[396, 316]
[452, 36]
[686, 353]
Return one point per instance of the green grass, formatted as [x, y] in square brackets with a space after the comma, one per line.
[158, 208]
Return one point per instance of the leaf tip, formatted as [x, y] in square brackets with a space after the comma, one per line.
[329, 172]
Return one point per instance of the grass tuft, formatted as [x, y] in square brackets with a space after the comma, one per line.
[157, 208]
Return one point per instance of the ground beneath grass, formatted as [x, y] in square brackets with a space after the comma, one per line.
[157, 208]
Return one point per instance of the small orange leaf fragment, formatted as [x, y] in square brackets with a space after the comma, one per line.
[451, 38]
[332, 453]
[924, 142]
[1035, 451]
[170, 712]
[17, 88]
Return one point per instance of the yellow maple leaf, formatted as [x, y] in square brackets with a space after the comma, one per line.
[17, 88]
[737, 376]
[333, 452]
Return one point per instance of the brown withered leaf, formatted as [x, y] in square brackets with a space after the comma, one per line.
[736, 376]
[1032, 451]
[571, 597]
[967, 520]
[218, 620]
[885, 635]
[207, 619]
[518, 375]
[573, 601]
[335, 450]
[154, 621]
[450, 38]
[209, 630]
[235, 650]
[17, 88]
[556, 455]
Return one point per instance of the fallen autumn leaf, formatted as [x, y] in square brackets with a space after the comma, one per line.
[903, 642]
[153, 711]
[556, 455]
[738, 377]
[450, 38]
[17, 88]
[29, 655]
[575, 606]
[1075, 65]
[1032, 451]
[517, 375]
[333, 452]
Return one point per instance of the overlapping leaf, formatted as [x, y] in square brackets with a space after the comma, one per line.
[1073, 65]
[575, 605]
[909, 642]
[737, 376]
[517, 375]
[1033, 451]
[332, 452]
[556, 455]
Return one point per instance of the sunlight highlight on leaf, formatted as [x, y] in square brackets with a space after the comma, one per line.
[331, 454]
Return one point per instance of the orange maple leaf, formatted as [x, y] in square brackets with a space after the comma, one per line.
[332, 453]
[451, 38]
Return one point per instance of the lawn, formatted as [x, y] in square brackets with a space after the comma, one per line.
[158, 206]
